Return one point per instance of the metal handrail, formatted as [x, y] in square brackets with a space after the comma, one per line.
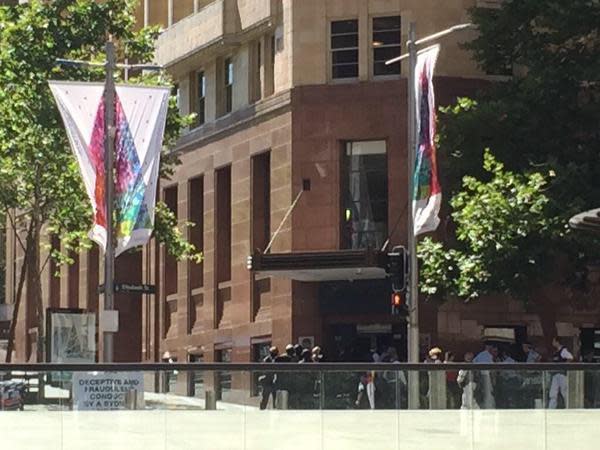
[292, 367]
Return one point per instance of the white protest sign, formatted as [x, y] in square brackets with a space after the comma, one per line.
[103, 391]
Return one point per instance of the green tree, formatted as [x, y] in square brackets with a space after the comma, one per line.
[40, 187]
[509, 230]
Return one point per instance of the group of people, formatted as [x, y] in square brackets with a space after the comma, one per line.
[273, 381]
[465, 388]
[487, 390]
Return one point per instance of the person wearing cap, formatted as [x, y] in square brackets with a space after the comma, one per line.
[297, 352]
[317, 356]
[305, 357]
[288, 356]
[433, 357]
[268, 380]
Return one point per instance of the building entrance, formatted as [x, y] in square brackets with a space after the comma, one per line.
[360, 342]
[358, 321]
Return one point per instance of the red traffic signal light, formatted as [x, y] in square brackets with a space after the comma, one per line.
[398, 305]
[397, 299]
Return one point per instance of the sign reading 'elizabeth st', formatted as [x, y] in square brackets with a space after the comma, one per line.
[103, 391]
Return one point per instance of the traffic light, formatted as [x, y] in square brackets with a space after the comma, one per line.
[398, 304]
[397, 268]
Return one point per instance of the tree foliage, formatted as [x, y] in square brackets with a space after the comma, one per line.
[41, 190]
[543, 124]
[39, 173]
[500, 226]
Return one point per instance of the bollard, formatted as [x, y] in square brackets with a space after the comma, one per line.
[281, 399]
[210, 401]
[131, 399]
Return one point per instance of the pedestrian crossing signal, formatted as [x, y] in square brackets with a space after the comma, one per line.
[397, 268]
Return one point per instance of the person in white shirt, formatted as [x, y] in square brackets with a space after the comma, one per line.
[466, 381]
[487, 356]
[559, 379]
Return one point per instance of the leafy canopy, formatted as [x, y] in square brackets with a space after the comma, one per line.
[511, 223]
[39, 176]
[499, 224]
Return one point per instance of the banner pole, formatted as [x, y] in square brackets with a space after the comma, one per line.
[109, 151]
[413, 294]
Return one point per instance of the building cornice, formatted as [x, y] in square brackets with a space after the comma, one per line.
[234, 122]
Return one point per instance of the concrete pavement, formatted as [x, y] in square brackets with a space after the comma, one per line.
[250, 429]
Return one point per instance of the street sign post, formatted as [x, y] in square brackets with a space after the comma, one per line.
[130, 288]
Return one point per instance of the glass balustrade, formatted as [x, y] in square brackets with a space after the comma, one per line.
[290, 406]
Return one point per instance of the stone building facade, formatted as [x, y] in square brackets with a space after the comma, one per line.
[289, 96]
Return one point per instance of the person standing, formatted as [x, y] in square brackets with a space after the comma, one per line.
[531, 356]
[317, 354]
[466, 381]
[487, 356]
[288, 356]
[559, 379]
[452, 388]
[395, 382]
[305, 357]
[285, 379]
[434, 356]
[434, 380]
[268, 380]
[365, 398]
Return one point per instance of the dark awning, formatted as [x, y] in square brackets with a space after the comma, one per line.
[588, 220]
[321, 266]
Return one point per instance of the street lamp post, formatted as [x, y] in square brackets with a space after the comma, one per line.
[110, 66]
[413, 272]
[109, 156]
[413, 284]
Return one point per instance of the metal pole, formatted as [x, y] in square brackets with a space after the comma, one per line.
[146, 13]
[413, 295]
[109, 152]
[432, 37]
[170, 13]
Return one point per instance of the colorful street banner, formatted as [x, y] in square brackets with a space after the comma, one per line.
[427, 195]
[140, 115]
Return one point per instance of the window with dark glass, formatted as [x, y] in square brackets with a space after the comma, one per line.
[223, 223]
[196, 236]
[386, 44]
[199, 100]
[228, 78]
[270, 65]
[364, 195]
[255, 71]
[344, 49]
[170, 262]
[261, 200]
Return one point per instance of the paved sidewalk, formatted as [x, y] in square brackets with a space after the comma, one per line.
[249, 429]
